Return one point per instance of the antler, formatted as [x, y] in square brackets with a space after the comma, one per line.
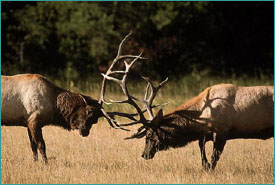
[110, 116]
[110, 70]
[154, 90]
[147, 101]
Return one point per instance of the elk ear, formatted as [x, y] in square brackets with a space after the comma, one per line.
[156, 121]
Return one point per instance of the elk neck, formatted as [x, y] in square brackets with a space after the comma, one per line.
[179, 128]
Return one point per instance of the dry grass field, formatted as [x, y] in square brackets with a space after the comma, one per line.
[104, 157]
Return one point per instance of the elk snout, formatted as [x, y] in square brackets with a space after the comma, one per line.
[84, 133]
[147, 156]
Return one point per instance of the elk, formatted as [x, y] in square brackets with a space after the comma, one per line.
[221, 112]
[32, 101]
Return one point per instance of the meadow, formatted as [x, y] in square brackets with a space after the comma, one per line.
[104, 157]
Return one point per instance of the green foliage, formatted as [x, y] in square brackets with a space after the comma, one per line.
[164, 16]
[57, 38]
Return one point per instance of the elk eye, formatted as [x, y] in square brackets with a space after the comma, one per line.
[90, 113]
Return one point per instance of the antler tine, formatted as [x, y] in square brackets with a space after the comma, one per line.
[111, 78]
[154, 90]
[128, 66]
[126, 115]
[138, 134]
[130, 116]
[146, 91]
[112, 121]
[121, 44]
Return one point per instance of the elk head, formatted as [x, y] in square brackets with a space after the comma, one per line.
[80, 111]
[82, 119]
[155, 137]
[153, 140]
[91, 112]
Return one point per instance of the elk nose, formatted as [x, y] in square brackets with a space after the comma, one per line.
[83, 133]
[145, 156]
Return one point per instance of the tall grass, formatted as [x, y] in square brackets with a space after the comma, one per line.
[177, 91]
[104, 157]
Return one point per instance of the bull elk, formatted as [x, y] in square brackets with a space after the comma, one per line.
[219, 113]
[32, 101]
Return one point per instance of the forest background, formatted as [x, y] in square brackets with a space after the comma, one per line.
[75, 41]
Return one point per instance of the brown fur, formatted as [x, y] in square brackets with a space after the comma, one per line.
[67, 102]
[219, 113]
[32, 101]
[193, 103]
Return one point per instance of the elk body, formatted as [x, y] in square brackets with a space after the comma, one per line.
[219, 113]
[31, 101]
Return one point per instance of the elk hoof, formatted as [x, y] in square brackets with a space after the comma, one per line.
[45, 161]
[207, 167]
[35, 158]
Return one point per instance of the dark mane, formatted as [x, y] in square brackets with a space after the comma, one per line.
[68, 101]
[179, 128]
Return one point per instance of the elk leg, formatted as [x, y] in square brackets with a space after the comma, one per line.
[36, 133]
[41, 144]
[205, 163]
[33, 146]
[218, 146]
